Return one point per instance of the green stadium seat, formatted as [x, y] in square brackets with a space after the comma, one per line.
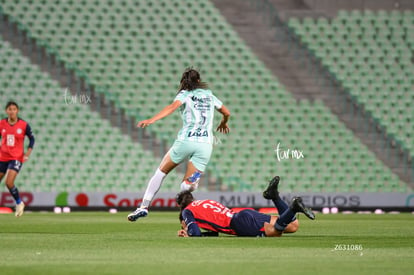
[135, 66]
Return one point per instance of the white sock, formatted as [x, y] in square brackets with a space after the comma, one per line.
[185, 186]
[153, 186]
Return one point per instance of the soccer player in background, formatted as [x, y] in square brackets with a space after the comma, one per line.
[13, 131]
[213, 216]
[194, 141]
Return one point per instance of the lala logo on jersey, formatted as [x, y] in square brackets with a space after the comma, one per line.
[198, 133]
[19, 131]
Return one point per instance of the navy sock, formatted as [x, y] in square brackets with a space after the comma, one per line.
[15, 193]
[284, 219]
[280, 204]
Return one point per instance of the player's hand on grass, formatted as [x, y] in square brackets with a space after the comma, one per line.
[182, 233]
[223, 128]
[145, 123]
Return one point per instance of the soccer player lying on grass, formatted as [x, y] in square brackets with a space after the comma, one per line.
[215, 217]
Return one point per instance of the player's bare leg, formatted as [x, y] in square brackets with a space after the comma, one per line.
[292, 227]
[271, 231]
[191, 178]
[10, 177]
[167, 165]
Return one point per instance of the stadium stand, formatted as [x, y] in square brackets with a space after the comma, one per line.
[371, 54]
[75, 148]
[134, 53]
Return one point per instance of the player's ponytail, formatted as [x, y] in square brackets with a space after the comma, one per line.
[190, 80]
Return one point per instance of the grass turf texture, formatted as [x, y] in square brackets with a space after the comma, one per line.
[103, 243]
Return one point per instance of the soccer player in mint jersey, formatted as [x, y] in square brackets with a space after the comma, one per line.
[13, 131]
[213, 216]
[194, 141]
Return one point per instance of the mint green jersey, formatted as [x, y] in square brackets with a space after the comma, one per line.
[197, 112]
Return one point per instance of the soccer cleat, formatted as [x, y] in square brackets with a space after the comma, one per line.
[298, 206]
[19, 209]
[271, 192]
[138, 213]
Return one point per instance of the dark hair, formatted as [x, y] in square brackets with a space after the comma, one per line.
[183, 199]
[190, 80]
[10, 103]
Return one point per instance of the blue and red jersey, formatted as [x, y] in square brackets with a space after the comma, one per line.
[12, 139]
[207, 214]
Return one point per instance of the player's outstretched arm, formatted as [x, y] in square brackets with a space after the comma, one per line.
[31, 137]
[191, 227]
[166, 111]
[223, 128]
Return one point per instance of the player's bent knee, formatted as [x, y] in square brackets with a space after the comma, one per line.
[292, 227]
[295, 226]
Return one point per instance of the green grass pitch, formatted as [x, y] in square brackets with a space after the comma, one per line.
[103, 243]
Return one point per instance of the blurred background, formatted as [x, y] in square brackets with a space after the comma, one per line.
[332, 80]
